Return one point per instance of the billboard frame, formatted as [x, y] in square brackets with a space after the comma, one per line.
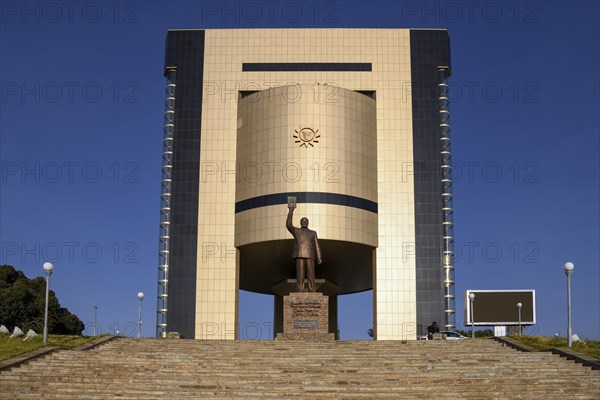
[467, 308]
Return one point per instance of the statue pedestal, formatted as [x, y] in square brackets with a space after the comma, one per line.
[306, 317]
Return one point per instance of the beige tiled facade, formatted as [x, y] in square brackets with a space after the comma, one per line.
[222, 150]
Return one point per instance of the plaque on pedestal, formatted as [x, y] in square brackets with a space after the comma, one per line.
[306, 317]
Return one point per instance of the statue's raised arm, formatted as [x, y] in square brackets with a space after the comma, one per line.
[288, 221]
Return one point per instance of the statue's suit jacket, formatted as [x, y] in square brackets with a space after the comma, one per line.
[306, 244]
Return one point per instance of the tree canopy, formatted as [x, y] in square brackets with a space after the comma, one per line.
[22, 303]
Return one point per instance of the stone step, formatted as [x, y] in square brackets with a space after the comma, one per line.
[198, 370]
[150, 368]
[32, 373]
[466, 373]
[319, 392]
[341, 386]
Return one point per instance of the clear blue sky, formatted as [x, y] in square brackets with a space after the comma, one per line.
[81, 125]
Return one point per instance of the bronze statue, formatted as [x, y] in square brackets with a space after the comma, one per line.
[306, 250]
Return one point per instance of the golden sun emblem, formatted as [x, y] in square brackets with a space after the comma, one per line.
[306, 137]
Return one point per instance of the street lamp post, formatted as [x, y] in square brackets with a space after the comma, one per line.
[471, 301]
[568, 267]
[95, 326]
[140, 298]
[48, 269]
[519, 306]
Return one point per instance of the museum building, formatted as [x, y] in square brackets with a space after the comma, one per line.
[353, 123]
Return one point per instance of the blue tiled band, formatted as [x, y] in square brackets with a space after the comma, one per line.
[322, 66]
[306, 197]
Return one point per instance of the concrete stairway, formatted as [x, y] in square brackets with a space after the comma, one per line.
[188, 369]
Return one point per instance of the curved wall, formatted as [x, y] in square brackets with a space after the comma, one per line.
[321, 146]
[289, 141]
